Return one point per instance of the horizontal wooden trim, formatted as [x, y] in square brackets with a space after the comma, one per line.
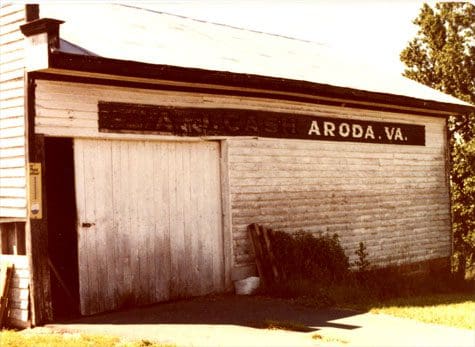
[60, 77]
[6, 212]
[11, 220]
[100, 65]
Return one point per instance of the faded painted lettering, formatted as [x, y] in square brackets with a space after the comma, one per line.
[193, 121]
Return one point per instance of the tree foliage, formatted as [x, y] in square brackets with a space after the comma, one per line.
[442, 56]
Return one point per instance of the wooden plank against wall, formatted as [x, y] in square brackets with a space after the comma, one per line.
[6, 274]
[18, 301]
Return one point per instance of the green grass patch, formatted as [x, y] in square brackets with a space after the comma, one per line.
[10, 338]
[451, 304]
[456, 310]
[316, 272]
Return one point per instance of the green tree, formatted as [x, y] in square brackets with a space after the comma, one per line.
[442, 56]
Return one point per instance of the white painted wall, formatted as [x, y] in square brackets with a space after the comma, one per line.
[12, 124]
[393, 198]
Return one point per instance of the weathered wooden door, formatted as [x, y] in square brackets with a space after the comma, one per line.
[149, 221]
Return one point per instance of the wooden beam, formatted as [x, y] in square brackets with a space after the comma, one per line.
[37, 248]
[36, 230]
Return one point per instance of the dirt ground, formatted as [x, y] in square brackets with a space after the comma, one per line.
[229, 320]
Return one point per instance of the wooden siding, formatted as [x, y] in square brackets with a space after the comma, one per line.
[18, 309]
[394, 198]
[12, 124]
[155, 222]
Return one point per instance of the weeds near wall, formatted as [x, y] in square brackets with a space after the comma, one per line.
[308, 262]
[317, 273]
[304, 255]
[362, 263]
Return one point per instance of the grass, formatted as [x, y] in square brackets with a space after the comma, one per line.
[10, 338]
[434, 298]
[456, 310]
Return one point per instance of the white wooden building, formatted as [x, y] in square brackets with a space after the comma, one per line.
[137, 146]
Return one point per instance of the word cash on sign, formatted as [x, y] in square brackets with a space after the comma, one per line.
[195, 121]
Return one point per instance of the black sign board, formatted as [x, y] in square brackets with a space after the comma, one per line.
[194, 121]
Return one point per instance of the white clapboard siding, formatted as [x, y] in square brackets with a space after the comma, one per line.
[12, 124]
[63, 106]
[393, 198]
[155, 215]
[18, 306]
[380, 194]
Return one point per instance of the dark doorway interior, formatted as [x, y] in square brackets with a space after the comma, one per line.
[62, 232]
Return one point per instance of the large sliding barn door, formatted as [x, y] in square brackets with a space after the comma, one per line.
[149, 221]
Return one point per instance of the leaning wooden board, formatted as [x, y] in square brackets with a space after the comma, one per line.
[269, 269]
[6, 275]
[16, 312]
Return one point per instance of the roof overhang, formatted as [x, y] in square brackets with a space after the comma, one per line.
[95, 69]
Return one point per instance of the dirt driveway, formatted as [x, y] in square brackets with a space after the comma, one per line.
[230, 320]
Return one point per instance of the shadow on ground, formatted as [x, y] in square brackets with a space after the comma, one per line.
[249, 311]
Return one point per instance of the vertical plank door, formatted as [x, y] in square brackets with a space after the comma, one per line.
[149, 222]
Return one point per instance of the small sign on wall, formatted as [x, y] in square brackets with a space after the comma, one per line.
[35, 208]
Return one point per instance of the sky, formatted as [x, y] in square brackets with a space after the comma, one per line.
[367, 30]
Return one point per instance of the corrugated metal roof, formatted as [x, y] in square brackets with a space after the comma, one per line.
[135, 34]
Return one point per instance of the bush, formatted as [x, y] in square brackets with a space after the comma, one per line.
[315, 258]
[316, 273]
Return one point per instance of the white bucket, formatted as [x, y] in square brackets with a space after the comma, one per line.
[247, 286]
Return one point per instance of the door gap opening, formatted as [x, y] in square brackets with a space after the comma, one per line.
[62, 231]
